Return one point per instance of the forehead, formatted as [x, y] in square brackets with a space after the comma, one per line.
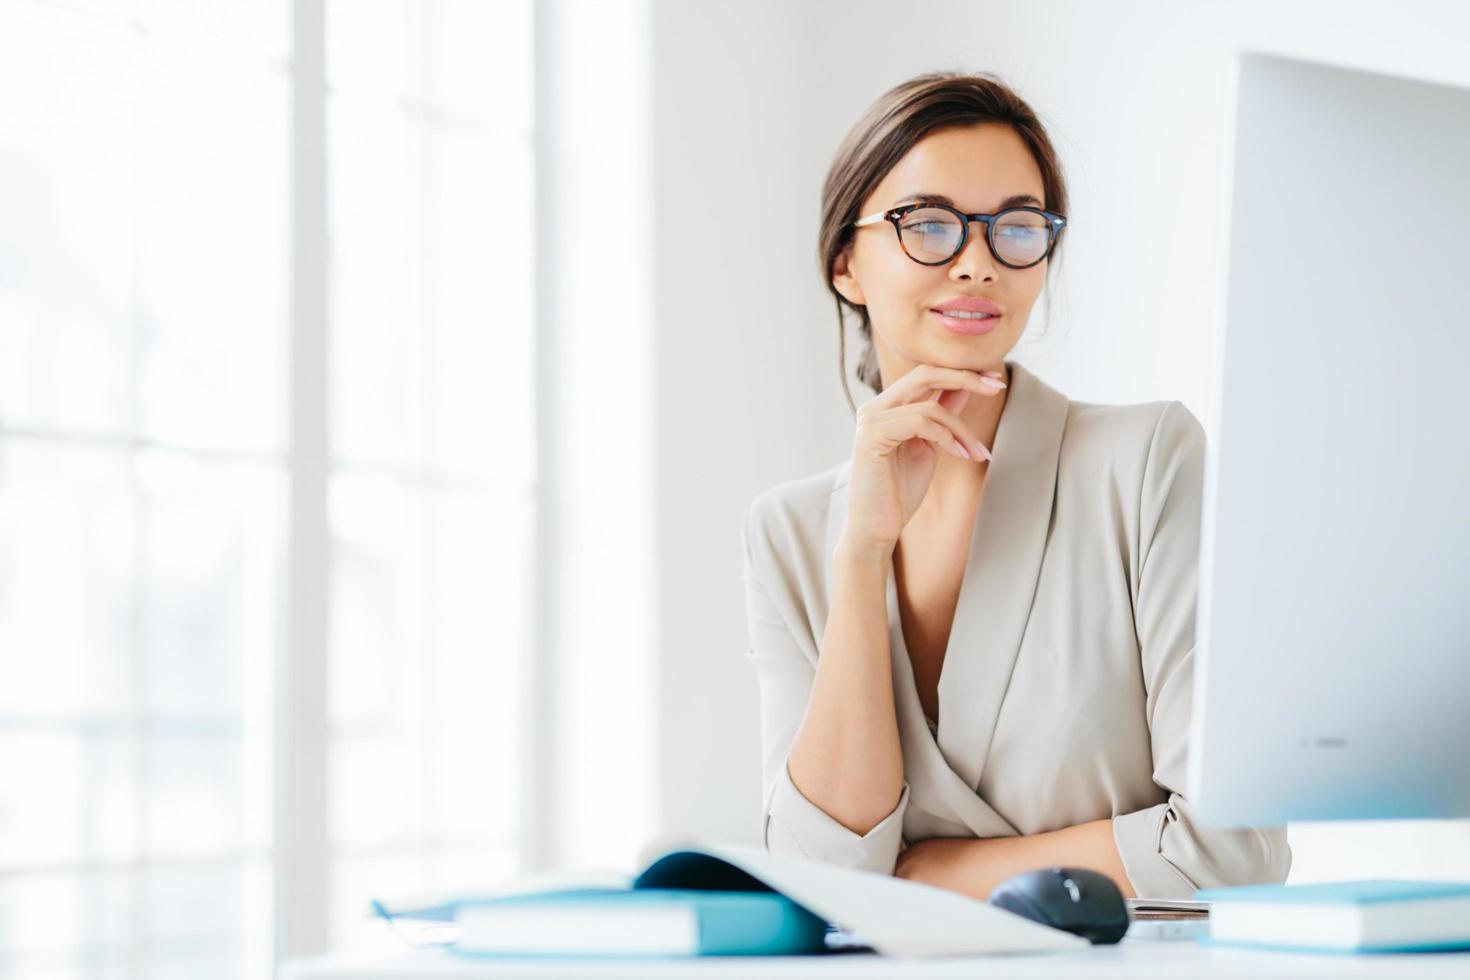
[977, 167]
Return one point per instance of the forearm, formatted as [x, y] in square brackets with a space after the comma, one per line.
[846, 757]
[974, 867]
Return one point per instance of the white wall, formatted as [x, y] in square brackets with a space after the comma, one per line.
[751, 101]
[738, 403]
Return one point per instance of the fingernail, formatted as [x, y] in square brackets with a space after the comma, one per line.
[984, 453]
[986, 379]
[960, 446]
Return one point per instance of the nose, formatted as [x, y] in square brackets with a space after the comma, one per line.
[975, 260]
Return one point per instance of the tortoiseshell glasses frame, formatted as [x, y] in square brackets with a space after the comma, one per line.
[1053, 223]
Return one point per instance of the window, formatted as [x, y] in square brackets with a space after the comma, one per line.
[164, 525]
[429, 169]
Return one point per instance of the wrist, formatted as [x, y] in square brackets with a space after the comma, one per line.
[862, 554]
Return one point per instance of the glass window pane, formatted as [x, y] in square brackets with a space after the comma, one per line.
[472, 869]
[200, 803]
[69, 794]
[431, 296]
[41, 798]
[464, 60]
[484, 66]
[480, 575]
[485, 252]
[66, 925]
[379, 659]
[67, 162]
[247, 31]
[213, 298]
[377, 789]
[142, 191]
[211, 622]
[372, 48]
[207, 922]
[112, 807]
[379, 330]
[214, 557]
[67, 554]
[378, 549]
[429, 633]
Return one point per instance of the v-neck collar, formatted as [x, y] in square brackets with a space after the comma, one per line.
[1001, 574]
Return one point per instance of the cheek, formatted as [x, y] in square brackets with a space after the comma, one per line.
[917, 295]
[891, 280]
[1028, 287]
[1021, 292]
[907, 286]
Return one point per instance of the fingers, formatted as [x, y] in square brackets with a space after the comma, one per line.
[954, 401]
[952, 422]
[931, 431]
[924, 420]
[920, 382]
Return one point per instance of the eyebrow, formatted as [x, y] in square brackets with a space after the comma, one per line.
[1015, 200]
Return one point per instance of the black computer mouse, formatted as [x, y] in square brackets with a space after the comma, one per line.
[1077, 900]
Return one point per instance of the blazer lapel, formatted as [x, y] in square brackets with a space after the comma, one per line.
[1001, 575]
[995, 597]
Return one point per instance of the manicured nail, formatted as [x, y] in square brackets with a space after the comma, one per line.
[965, 452]
[986, 379]
[984, 453]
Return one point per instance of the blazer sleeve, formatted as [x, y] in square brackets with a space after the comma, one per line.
[792, 824]
[1165, 849]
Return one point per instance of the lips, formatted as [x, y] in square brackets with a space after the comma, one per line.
[967, 304]
[968, 325]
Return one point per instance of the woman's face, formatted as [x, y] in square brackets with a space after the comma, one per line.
[977, 168]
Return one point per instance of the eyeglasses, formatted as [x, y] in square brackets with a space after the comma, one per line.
[932, 234]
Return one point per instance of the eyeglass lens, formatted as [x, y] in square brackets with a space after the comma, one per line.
[933, 235]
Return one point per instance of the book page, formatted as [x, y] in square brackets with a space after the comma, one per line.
[896, 917]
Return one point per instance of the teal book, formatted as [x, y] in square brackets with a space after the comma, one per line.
[1370, 916]
[700, 898]
[603, 922]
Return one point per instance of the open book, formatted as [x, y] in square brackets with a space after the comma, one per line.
[893, 916]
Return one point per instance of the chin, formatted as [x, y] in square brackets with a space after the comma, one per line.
[955, 346]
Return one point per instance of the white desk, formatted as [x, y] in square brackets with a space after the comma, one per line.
[1132, 958]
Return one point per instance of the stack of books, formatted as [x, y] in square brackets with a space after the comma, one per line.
[1373, 916]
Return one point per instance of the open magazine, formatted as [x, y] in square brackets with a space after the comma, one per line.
[889, 915]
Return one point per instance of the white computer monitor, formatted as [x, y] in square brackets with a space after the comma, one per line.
[1332, 665]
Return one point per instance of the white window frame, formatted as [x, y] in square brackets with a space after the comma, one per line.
[302, 853]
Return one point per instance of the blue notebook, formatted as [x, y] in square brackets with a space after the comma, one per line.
[613, 922]
[1369, 916]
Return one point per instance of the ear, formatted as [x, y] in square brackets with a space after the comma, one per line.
[844, 281]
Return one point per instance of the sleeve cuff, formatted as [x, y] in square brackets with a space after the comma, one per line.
[1138, 836]
[797, 826]
[1168, 854]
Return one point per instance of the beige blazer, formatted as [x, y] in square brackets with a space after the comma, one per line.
[1065, 689]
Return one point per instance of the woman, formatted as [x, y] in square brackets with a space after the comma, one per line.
[974, 638]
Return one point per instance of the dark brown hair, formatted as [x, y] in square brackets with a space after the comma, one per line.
[901, 117]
